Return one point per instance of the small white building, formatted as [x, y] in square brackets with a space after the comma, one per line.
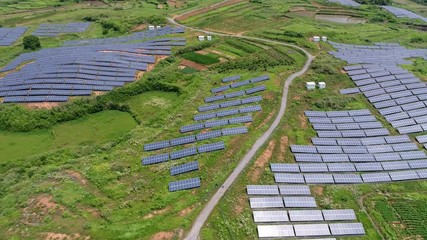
[310, 85]
[324, 38]
[150, 27]
[201, 38]
[321, 85]
[316, 39]
[209, 38]
[158, 26]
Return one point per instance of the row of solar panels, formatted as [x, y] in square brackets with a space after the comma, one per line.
[349, 178]
[183, 153]
[288, 190]
[46, 93]
[232, 103]
[392, 156]
[403, 13]
[310, 230]
[396, 147]
[56, 29]
[9, 35]
[339, 120]
[184, 184]
[332, 114]
[282, 202]
[231, 78]
[348, 167]
[361, 141]
[195, 138]
[215, 123]
[304, 215]
[235, 94]
[354, 133]
[22, 99]
[349, 3]
[239, 84]
[225, 113]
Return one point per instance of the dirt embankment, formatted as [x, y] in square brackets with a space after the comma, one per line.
[207, 9]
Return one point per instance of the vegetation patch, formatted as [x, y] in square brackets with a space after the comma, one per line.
[205, 59]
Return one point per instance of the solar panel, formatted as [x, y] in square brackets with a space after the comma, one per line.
[211, 147]
[249, 109]
[255, 89]
[271, 231]
[422, 138]
[303, 149]
[209, 107]
[335, 158]
[341, 167]
[184, 184]
[303, 157]
[270, 216]
[318, 178]
[155, 159]
[329, 149]
[416, 164]
[387, 156]
[355, 150]
[305, 215]
[227, 112]
[324, 141]
[182, 140]
[397, 139]
[234, 131]
[235, 94]
[375, 177]
[368, 167]
[403, 175]
[344, 229]
[339, 215]
[156, 145]
[290, 190]
[347, 178]
[266, 202]
[379, 148]
[284, 167]
[243, 119]
[300, 202]
[311, 230]
[396, 165]
[240, 84]
[262, 190]
[183, 153]
[208, 135]
[400, 147]
[184, 168]
[289, 178]
[216, 123]
[220, 89]
[313, 167]
[412, 155]
[422, 173]
[349, 142]
[231, 78]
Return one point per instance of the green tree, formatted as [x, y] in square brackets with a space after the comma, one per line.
[31, 42]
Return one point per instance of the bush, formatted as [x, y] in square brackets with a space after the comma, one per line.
[31, 42]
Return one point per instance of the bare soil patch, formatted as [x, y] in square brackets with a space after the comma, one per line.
[240, 204]
[156, 212]
[220, 53]
[255, 173]
[63, 236]
[77, 176]
[284, 142]
[267, 119]
[318, 190]
[202, 52]
[139, 27]
[207, 9]
[162, 236]
[191, 64]
[38, 208]
[44, 105]
[303, 120]
[187, 210]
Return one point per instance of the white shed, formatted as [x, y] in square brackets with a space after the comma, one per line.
[310, 85]
[324, 38]
[316, 39]
[209, 38]
[201, 38]
[158, 26]
[321, 85]
[151, 27]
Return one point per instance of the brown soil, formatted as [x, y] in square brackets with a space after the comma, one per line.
[97, 93]
[318, 190]
[255, 173]
[240, 204]
[39, 207]
[63, 236]
[162, 236]
[266, 120]
[44, 105]
[77, 176]
[284, 142]
[139, 27]
[202, 52]
[187, 210]
[191, 64]
[207, 9]
[156, 212]
[303, 121]
[176, 3]
[269, 95]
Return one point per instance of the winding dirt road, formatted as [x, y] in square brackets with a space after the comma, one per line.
[204, 214]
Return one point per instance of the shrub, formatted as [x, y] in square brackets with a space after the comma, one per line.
[31, 42]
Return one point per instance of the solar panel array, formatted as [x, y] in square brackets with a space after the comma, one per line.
[52, 30]
[340, 160]
[349, 3]
[398, 95]
[214, 133]
[56, 73]
[9, 35]
[240, 84]
[403, 13]
[288, 206]
[137, 36]
[184, 184]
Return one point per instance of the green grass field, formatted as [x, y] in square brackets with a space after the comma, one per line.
[90, 130]
[204, 59]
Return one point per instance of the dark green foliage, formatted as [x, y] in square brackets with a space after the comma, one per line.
[242, 45]
[423, 2]
[114, 25]
[257, 61]
[201, 59]
[31, 42]
[323, 66]
[386, 211]
[336, 103]
[293, 34]
[413, 214]
[153, 19]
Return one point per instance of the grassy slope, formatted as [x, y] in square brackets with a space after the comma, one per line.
[92, 129]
